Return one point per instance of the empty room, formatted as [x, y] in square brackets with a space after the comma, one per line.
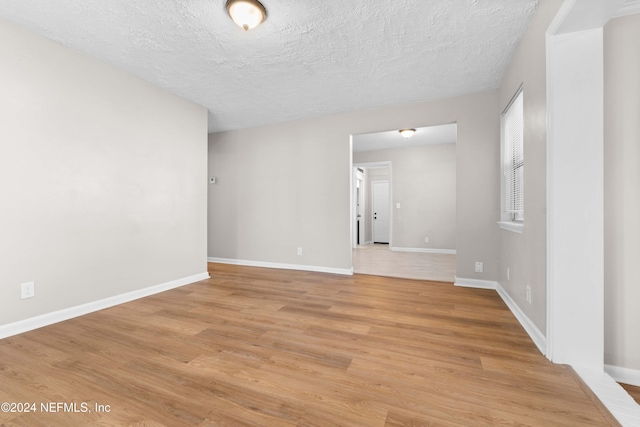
[188, 190]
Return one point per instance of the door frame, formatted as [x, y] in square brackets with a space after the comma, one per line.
[358, 176]
[365, 165]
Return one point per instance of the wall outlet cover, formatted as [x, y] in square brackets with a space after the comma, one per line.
[27, 290]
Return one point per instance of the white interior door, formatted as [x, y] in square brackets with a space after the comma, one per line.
[380, 210]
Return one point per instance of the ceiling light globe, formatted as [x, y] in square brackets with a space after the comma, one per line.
[407, 133]
[247, 14]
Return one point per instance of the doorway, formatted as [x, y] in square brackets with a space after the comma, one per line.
[360, 221]
[364, 216]
[410, 209]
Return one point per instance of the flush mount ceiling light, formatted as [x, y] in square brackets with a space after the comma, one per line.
[247, 14]
[407, 133]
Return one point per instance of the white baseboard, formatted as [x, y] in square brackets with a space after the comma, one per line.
[318, 269]
[535, 334]
[475, 283]
[532, 330]
[623, 375]
[612, 395]
[424, 250]
[80, 310]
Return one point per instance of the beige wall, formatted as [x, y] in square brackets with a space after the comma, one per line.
[102, 179]
[525, 254]
[288, 185]
[622, 191]
[424, 183]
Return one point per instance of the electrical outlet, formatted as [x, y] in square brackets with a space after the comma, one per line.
[528, 294]
[426, 240]
[479, 266]
[212, 180]
[27, 290]
[300, 251]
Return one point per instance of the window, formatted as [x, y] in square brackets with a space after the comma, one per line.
[512, 126]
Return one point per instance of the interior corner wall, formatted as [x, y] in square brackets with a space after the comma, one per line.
[621, 195]
[288, 185]
[102, 180]
[525, 254]
[424, 183]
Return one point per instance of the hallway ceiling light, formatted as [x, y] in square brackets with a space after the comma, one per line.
[247, 14]
[407, 133]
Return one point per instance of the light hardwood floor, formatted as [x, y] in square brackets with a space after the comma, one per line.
[633, 391]
[261, 347]
[379, 260]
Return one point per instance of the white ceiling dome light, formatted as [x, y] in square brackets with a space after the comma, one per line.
[407, 133]
[247, 14]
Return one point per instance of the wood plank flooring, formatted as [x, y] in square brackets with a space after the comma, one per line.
[633, 391]
[261, 347]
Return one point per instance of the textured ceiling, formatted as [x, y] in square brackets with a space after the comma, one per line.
[431, 135]
[309, 58]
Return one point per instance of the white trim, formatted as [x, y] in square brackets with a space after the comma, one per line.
[629, 7]
[80, 310]
[575, 259]
[475, 283]
[358, 232]
[575, 327]
[357, 176]
[511, 226]
[580, 15]
[612, 395]
[248, 263]
[623, 375]
[380, 164]
[424, 250]
[530, 328]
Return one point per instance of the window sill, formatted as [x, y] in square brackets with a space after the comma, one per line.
[516, 227]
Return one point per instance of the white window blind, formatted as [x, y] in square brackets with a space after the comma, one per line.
[513, 137]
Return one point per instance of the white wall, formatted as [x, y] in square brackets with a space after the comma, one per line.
[102, 179]
[525, 254]
[288, 185]
[424, 183]
[622, 194]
